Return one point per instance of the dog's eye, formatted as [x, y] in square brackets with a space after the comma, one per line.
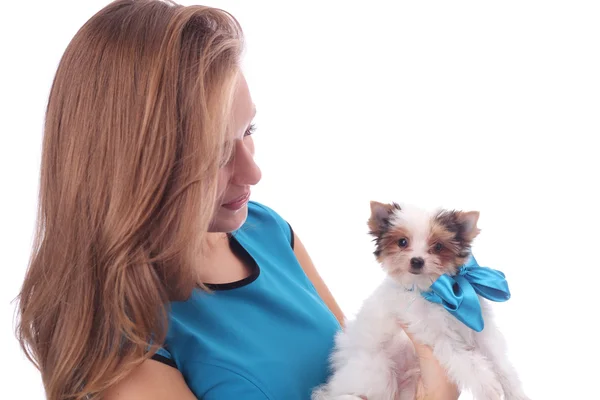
[403, 242]
[438, 247]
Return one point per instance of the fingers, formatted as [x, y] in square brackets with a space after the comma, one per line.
[434, 382]
[422, 350]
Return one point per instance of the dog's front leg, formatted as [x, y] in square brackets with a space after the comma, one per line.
[492, 344]
[464, 364]
[469, 368]
[360, 370]
[361, 361]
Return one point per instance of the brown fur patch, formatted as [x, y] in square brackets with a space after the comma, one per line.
[379, 225]
[379, 221]
[455, 230]
[388, 245]
[450, 249]
[396, 233]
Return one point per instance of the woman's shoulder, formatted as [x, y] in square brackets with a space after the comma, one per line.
[260, 210]
[151, 380]
[263, 219]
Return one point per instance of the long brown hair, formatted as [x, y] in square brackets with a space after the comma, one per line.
[134, 133]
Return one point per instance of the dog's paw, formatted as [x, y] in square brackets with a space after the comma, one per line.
[521, 396]
[514, 392]
[321, 393]
[491, 391]
[339, 397]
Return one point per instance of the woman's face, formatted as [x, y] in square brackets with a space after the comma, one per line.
[241, 172]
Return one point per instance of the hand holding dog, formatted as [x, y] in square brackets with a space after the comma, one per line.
[434, 383]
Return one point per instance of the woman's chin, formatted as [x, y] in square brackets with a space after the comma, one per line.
[229, 220]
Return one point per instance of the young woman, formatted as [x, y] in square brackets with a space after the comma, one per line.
[153, 275]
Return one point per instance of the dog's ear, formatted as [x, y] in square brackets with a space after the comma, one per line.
[468, 221]
[379, 222]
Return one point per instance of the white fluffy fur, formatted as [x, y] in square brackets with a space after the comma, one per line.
[374, 358]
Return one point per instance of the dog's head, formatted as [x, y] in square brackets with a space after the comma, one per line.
[416, 246]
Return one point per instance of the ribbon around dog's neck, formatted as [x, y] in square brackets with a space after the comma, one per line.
[458, 293]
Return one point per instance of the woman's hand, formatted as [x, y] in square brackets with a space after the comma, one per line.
[434, 383]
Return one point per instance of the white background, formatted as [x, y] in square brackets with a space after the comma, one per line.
[493, 106]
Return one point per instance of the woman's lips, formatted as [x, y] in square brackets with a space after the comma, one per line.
[237, 203]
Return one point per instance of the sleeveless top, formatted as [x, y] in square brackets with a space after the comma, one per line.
[267, 336]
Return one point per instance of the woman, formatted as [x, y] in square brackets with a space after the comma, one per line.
[153, 276]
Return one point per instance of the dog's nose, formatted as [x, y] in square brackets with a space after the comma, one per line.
[417, 262]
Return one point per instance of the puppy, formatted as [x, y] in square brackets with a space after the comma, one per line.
[433, 287]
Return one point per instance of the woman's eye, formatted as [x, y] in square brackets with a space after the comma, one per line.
[250, 130]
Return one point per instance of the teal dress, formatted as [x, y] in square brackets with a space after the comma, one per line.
[268, 336]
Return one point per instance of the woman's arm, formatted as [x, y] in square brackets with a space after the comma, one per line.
[151, 380]
[315, 278]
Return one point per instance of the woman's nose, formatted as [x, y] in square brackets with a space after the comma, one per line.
[246, 171]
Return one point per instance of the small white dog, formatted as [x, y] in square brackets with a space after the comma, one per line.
[433, 287]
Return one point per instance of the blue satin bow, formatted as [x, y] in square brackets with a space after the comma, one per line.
[458, 293]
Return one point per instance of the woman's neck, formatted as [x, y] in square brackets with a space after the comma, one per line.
[218, 263]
